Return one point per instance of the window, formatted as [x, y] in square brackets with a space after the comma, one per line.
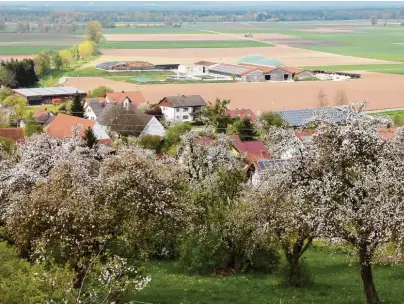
[285, 76]
[185, 117]
[177, 110]
[184, 109]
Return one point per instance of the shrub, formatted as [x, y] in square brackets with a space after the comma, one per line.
[7, 145]
[151, 142]
[99, 92]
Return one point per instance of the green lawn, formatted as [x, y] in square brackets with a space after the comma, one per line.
[180, 44]
[335, 281]
[29, 49]
[380, 68]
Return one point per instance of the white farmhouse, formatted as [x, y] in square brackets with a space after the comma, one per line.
[182, 107]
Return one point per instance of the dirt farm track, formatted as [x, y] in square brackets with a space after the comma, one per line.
[382, 90]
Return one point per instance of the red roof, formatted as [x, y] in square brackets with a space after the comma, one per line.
[264, 68]
[15, 134]
[387, 133]
[63, 124]
[205, 63]
[242, 113]
[254, 148]
[118, 97]
[38, 113]
[235, 138]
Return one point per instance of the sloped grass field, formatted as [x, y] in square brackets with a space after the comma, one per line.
[336, 279]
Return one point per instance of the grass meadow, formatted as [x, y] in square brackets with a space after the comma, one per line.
[335, 275]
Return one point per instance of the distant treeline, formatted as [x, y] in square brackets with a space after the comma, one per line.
[108, 18]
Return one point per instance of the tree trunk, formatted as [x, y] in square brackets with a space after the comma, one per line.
[367, 277]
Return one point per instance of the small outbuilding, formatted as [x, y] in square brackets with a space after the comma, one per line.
[202, 67]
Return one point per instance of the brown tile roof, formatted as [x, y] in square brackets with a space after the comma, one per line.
[265, 69]
[63, 124]
[38, 113]
[252, 148]
[242, 113]
[15, 134]
[118, 97]
[205, 63]
[291, 70]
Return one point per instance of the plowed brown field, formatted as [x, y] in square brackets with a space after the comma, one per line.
[288, 55]
[382, 90]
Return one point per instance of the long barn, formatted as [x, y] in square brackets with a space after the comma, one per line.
[38, 96]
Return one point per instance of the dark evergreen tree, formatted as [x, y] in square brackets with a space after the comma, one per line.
[77, 108]
[89, 138]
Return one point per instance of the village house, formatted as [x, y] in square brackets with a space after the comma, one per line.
[182, 107]
[241, 113]
[93, 108]
[43, 116]
[127, 99]
[62, 126]
[116, 118]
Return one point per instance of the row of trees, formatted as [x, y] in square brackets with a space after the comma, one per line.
[70, 21]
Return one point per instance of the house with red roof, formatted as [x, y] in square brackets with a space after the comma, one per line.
[241, 113]
[62, 126]
[134, 99]
[43, 116]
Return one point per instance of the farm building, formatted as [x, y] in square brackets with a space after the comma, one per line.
[201, 67]
[237, 72]
[281, 73]
[38, 96]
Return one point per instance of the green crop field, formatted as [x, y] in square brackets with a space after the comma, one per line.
[29, 49]
[334, 281]
[180, 44]
[375, 43]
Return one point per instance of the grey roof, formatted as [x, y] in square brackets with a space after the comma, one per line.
[50, 91]
[230, 69]
[122, 121]
[297, 118]
[96, 106]
[266, 164]
[185, 101]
